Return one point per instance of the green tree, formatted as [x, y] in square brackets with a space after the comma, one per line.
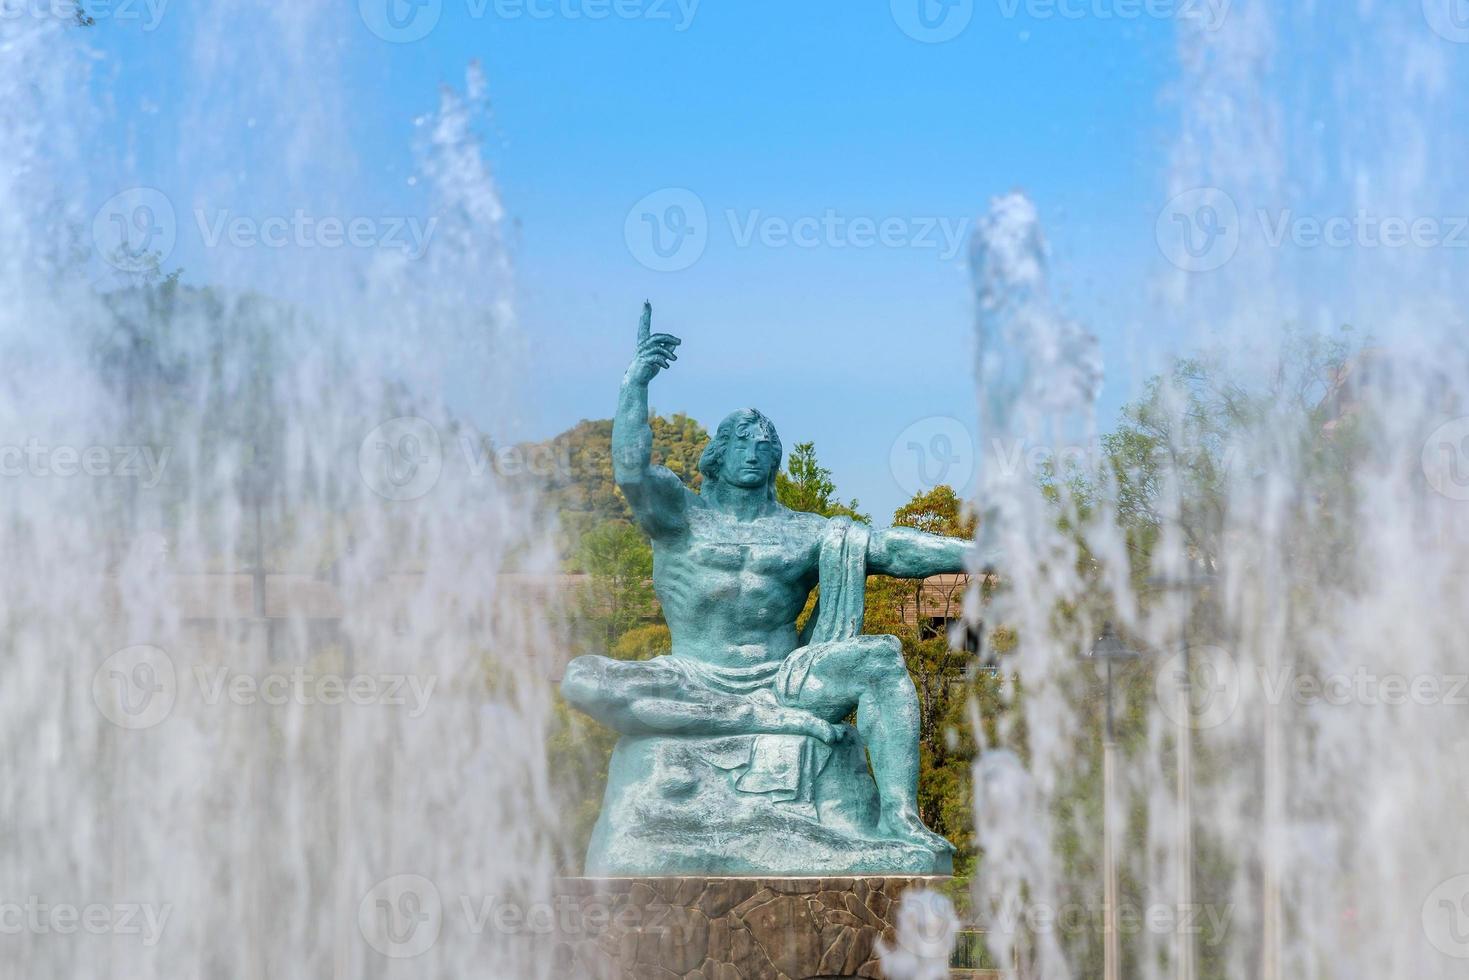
[1175, 465]
[616, 617]
[807, 486]
[643, 642]
[619, 593]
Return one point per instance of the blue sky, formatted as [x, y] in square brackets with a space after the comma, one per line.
[778, 118]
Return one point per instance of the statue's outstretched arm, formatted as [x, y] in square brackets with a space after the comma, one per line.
[655, 494]
[904, 552]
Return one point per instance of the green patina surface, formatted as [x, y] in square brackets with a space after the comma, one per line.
[735, 756]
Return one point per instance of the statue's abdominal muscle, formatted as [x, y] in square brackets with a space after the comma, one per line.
[730, 603]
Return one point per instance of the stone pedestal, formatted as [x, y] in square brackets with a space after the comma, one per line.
[707, 928]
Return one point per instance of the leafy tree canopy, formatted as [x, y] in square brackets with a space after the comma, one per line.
[807, 486]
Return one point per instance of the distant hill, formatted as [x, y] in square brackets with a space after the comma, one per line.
[579, 487]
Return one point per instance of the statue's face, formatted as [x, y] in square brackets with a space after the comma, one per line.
[750, 458]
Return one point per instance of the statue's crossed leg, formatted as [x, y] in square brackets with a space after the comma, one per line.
[815, 689]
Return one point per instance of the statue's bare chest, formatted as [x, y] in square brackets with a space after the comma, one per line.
[776, 546]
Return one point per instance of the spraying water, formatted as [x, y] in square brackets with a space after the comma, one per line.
[261, 668]
[269, 707]
[926, 928]
[1280, 531]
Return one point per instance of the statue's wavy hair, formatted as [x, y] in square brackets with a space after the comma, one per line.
[713, 455]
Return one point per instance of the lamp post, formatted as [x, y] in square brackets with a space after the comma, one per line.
[1109, 650]
[1192, 583]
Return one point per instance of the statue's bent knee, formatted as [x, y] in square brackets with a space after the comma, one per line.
[886, 655]
[888, 644]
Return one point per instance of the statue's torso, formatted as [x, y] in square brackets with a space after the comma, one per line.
[731, 590]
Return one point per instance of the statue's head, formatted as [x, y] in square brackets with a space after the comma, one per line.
[745, 451]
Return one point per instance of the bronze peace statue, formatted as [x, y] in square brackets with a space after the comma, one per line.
[735, 758]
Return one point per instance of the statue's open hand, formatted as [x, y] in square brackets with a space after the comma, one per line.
[655, 350]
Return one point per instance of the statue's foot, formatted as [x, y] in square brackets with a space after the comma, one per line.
[905, 825]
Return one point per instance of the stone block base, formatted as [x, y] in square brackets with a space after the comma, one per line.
[708, 928]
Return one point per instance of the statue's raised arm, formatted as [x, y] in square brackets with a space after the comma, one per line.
[656, 495]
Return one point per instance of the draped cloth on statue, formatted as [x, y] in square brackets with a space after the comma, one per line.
[786, 766]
